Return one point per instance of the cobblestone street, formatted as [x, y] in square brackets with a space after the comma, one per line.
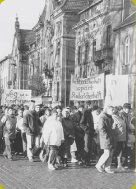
[22, 174]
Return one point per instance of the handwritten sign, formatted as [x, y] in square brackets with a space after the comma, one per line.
[87, 88]
[13, 96]
[116, 90]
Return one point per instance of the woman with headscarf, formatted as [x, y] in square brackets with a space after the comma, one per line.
[69, 135]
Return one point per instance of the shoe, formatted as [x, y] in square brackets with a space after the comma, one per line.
[65, 165]
[51, 167]
[11, 159]
[88, 164]
[74, 160]
[5, 156]
[80, 163]
[109, 171]
[31, 160]
[120, 168]
[99, 169]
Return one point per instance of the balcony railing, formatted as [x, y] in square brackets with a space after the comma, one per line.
[102, 55]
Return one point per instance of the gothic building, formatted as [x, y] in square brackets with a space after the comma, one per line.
[19, 57]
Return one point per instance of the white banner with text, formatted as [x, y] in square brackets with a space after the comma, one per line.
[83, 89]
[116, 90]
[13, 96]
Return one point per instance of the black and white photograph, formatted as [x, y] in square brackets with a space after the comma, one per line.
[67, 94]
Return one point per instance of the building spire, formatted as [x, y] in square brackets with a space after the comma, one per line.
[17, 25]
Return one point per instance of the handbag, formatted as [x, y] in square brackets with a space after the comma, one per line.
[44, 154]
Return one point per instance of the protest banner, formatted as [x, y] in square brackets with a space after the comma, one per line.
[13, 96]
[87, 88]
[116, 90]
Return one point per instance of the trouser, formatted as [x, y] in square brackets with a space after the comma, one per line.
[1, 142]
[8, 145]
[18, 142]
[53, 154]
[24, 142]
[88, 147]
[99, 152]
[106, 159]
[119, 149]
[32, 142]
[80, 147]
[125, 153]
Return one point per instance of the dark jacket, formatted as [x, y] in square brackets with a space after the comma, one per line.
[106, 132]
[87, 123]
[68, 128]
[76, 119]
[32, 123]
[125, 118]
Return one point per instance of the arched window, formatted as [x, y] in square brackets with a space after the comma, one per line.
[127, 45]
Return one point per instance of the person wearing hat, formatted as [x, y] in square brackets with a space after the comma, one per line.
[119, 128]
[106, 140]
[124, 114]
[8, 124]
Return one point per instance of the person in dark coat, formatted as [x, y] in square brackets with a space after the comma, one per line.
[106, 140]
[32, 123]
[124, 114]
[69, 136]
[79, 134]
[87, 125]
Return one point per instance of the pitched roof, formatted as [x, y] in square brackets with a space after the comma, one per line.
[128, 21]
[76, 5]
[27, 37]
[41, 18]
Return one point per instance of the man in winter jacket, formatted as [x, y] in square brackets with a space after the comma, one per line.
[8, 124]
[87, 125]
[32, 123]
[79, 134]
[106, 140]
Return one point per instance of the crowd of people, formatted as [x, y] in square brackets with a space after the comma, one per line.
[76, 133]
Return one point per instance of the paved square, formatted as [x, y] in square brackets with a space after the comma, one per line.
[21, 174]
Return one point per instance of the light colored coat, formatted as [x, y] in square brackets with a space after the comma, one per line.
[53, 132]
[8, 123]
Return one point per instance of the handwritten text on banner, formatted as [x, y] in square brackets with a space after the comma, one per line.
[13, 96]
[87, 88]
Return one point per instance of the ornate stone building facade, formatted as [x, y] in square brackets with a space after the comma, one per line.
[6, 80]
[95, 39]
[70, 37]
[124, 54]
[19, 58]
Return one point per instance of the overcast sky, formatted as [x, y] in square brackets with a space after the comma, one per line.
[28, 12]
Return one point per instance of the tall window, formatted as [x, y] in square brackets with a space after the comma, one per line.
[108, 35]
[127, 44]
[57, 91]
[86, 58]
[94, 49]
[86, 52]
[79, 55]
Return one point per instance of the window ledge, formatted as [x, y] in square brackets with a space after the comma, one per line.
[125, 65]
